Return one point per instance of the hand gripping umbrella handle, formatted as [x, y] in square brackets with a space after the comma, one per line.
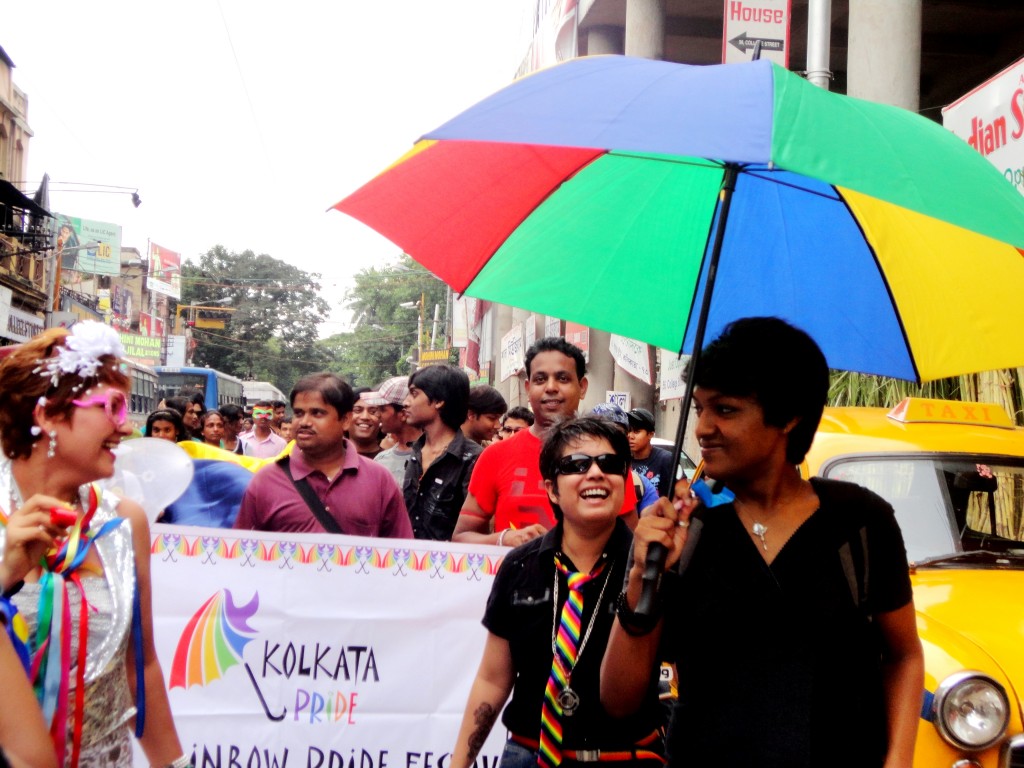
[651, 580]
[656, 556]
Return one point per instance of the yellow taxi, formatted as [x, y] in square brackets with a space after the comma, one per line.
[954, 473]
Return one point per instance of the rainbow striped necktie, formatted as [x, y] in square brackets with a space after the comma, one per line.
[557, 693]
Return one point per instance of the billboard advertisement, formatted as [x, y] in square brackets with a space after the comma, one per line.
[93, 247]
[164, 271]
[991, 119]
[142, 349]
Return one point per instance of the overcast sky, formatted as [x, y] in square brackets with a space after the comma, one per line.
[241, 121]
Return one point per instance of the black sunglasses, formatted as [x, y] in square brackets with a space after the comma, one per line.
[579, 463]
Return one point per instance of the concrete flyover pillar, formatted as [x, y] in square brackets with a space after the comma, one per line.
[600, 370]
[503, 321]
[605, 40]
[884, 60]
[645, 28]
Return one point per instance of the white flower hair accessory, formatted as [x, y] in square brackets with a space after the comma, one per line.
[80, 354]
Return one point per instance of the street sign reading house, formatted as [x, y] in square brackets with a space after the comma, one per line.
[748, 22]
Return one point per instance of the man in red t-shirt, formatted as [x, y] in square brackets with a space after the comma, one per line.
[506, 484]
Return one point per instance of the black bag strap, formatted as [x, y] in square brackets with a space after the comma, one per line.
[309, 496]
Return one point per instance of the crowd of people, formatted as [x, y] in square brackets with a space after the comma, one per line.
[754, 609]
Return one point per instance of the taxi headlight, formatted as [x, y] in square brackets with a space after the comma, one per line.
[971, 710]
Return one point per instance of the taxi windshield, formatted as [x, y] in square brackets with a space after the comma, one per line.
[947, 505]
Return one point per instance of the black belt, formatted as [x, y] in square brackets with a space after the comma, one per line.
[636, 752]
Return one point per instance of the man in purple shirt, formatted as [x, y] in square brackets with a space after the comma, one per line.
[361, 496]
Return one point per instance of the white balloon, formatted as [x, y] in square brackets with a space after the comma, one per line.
[152, 472]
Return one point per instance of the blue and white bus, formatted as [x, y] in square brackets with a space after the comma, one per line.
[218, 388]
[143, 397]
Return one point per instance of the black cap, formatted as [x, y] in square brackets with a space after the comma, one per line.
[641, 418]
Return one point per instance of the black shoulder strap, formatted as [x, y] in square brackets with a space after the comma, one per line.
[309, 496]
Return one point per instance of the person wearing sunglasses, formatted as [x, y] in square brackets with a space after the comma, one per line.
[548, 617]
[63, 412]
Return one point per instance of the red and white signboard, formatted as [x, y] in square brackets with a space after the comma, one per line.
[991, 119]
[749, 21]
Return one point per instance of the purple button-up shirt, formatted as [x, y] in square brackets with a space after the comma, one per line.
[363, 497]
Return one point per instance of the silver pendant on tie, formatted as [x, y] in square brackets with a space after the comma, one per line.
[568, 700]
[759, 531]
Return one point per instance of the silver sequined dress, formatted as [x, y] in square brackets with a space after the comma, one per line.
[106, 739]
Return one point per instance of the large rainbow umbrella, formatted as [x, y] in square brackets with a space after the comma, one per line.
[605, 190]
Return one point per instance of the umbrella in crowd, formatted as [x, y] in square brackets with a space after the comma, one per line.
[660, 201]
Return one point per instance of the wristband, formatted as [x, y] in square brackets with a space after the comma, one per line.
[633, 623]
[501, 537]
[182, 762]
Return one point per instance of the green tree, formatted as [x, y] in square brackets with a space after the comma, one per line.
[271, 334]
[383, 335]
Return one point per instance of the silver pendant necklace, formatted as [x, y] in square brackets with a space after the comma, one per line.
[756, 528]
[567, 698]
[760, 530]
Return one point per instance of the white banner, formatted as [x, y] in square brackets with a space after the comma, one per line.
[21, 326]
[460, 323]
[513, 353]
[632, 356]
[319, 651]
[552, 326]
[671, 375]
[529, 332]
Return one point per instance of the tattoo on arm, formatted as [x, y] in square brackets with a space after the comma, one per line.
[484, 717]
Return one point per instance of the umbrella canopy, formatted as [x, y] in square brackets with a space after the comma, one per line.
[590, 191]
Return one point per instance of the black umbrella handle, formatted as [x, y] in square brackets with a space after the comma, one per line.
[651, 580]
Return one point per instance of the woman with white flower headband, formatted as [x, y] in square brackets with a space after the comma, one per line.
[75, 559]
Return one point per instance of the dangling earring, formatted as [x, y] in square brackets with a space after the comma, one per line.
[51, 449]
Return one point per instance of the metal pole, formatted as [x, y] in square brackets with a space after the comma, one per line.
[419, 334]
[433, 327]
[819, 42]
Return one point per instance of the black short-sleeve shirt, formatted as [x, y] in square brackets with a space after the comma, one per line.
[780, 665]
[520, 610]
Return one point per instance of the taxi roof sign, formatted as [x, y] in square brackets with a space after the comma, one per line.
[920, 410]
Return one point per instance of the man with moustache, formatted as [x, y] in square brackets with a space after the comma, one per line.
[506, 486]
[364, 431]
[324, 485]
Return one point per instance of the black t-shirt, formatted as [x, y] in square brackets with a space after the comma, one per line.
[520, 610]
[657, 468]
[779, 666]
